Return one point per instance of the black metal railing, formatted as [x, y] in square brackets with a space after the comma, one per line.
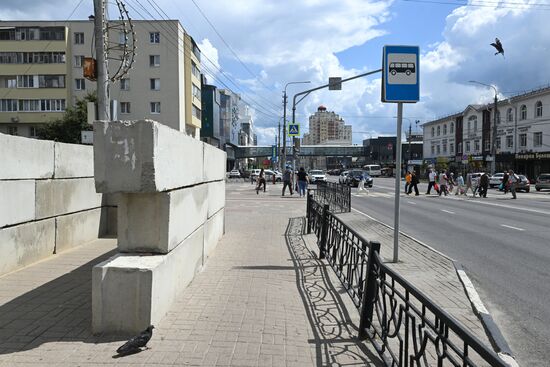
[337, 196]
[403, 324]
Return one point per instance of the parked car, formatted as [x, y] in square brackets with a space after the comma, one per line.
[234, 174]
[524, 184]
[269, 175]
[496, 179]
[356, 175]
[342, 179]
[316, 176]
[543, 182]
[254, 173]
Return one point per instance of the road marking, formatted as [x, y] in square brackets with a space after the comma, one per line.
[516, 228]
[447, 211]
[411, 202]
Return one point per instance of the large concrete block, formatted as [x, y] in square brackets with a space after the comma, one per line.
[144, 156]
[214, 163]
[130, 292]
[216, 197]
[16, 202]
[57, 197]
[25, 244]
[158, 222]
[24, 158]
[73, 160]
[213, 232]
[76, 229]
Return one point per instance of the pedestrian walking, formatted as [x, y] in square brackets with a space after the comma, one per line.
[413, 184]
[407, 182]
[513, 179]
[261, 181]
[303, 180]
[460, 185]
[443, 181]
[431, 182]
[483, 185]
[287, 181]
[505, 184]
[451, 183]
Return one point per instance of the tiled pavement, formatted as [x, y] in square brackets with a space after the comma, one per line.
[263, 299]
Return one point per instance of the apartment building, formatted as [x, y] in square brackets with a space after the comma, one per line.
[463, 141]
[325, 126]
[41, 74]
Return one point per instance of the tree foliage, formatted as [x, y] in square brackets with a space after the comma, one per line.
[68, 128]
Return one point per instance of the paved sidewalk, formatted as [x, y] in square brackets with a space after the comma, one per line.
[263, 299]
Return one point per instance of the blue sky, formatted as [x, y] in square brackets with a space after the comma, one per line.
[287, 40]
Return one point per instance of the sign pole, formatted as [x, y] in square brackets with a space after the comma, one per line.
[397, 182]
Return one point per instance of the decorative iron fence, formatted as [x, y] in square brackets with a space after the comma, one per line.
[337, 196]
[405, 326]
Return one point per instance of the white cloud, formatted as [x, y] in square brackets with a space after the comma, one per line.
[211, 65]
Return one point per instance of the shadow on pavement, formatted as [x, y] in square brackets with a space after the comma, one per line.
[335, 335]
[57, 311]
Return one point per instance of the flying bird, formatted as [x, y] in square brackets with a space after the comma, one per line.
[498, 45]
[137, 342]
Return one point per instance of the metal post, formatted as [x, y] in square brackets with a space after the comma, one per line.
[279, 147]
[493, 146]
[103, 103]
[324, 232]
[410, 138]
[284, 130]
[308, 213]
[397, 183]
[369, 291]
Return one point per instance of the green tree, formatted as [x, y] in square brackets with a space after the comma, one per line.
[68, 128]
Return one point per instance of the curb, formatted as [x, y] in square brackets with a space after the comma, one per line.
[491, 328]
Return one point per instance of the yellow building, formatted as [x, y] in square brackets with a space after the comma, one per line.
[192, 56]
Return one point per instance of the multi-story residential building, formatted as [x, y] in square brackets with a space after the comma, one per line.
[41, 74]
[463, 141]
[324, 126]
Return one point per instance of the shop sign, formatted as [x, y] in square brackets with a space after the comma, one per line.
[542, 155]
[477, 158]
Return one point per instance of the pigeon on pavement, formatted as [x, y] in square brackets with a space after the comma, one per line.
[498, 45]
[137, 342]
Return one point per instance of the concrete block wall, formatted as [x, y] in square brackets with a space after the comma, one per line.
[170, 192]
[48, 201]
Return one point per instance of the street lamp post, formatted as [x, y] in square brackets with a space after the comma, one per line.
[494, 132]
[284, 119]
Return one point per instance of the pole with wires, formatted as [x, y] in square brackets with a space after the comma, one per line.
[103, 99]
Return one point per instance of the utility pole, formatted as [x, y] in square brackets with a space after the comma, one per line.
[493, 146]
[279, 146]
[284, 129]
[103, 100]
[410, 138]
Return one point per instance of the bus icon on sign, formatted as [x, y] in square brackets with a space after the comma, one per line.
[401, 67]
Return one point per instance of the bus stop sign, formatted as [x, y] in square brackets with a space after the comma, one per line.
[400, 74]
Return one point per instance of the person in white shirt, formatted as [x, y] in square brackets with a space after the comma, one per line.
[513, 179]
[431, 179]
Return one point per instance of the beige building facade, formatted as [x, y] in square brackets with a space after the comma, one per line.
[41, 74]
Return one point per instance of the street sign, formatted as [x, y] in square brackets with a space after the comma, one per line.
[400, 74]
[274, 153]
[335, 83]
[294, 130]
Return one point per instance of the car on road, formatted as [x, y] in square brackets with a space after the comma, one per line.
[496, 179]
[542, 182]
[269, 175]
[356, 175]
[523, 184]
[342, 179]
[316, 176]
[234, 174]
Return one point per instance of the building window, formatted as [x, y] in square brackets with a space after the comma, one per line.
[444, 148]
[78, 61]
[509, 115]
[155, 107]
[497, 141]
[538, 109]
[459, 148]
[438, 130]
[124, 84]
[509, 141]
[195, 70]
[79, 38]
[124, 107]
[476, 145]
[8, 81]
[523, 140]
[196, 92]
[475, 124]
[523, 112]
[445, 129]
[433, 149]
[154, 37]
[8, 105]
[433, 131]
[452, 127]
[154, 83]
[79, 84]
[51, 81]
[467, 147]
[498, 117]
[487, 144]
[537, 139]
[451, 148]
[12, 130]
[26, 81]
[196, 112]
[154, 60]
[32, 131]
[438, 147]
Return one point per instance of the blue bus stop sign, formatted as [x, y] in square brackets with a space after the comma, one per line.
[400, 74]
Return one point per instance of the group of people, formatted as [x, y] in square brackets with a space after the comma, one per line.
[445, 183]
[302, 181]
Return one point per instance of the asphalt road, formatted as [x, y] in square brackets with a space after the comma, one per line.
[503, 244]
